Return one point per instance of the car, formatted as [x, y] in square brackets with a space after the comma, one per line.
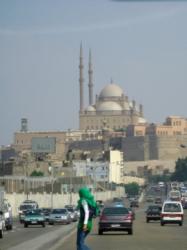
[172, 212]
[46, 212]
[115, 218]
[100, 205]
[131, 210]
[150, 198]
[134, 203]
[59, 215]
[117, 199]
[118, 204]
[2, 224]
[153, 212]
[23, 208]
[184, 204]
[34, 217]
[158, 200]
[73, 214]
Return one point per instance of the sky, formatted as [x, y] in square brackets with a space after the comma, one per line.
[141, 45]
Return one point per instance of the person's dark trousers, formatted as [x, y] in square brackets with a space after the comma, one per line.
[81, 235]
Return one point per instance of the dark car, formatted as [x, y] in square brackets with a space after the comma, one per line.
[46, 212]
[115, 219]
[117, 199]
[153, 212]
[158, 200]
[134, 203]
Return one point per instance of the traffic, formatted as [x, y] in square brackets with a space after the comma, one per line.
[117, 217]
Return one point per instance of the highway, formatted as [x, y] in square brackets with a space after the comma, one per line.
[34, 237]
[147, 236]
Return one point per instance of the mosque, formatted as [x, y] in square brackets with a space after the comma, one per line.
[112, 108]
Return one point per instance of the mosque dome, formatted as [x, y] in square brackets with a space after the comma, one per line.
[109, 106]
[111, 90]
[90, 109]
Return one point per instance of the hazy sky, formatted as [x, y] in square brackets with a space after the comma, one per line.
[142, 45]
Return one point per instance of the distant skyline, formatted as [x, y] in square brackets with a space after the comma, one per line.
[141, 45]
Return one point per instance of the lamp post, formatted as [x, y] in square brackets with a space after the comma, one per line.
[26, 162]
[50, 168]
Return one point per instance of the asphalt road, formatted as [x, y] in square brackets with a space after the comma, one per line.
[147, 236]
[34, 237]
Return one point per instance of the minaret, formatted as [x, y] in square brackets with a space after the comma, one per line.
[81, 80]
[141, 110]
[90, 83]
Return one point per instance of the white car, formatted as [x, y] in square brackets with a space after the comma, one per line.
[172, 212]
[2, 224]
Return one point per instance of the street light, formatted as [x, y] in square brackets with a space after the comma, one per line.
[51, 171]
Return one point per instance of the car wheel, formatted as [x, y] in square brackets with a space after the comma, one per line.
[51, 223]
[130, 231]
[25, 225]
[100, 232]
[180, 223]
[147, 220]
[1, 233]
[43, 224]
[162, 223]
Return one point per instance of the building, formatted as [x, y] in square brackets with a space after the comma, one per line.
[112, 107]
[110, 171]
[167, 141]
[23, 139]
[173, 126]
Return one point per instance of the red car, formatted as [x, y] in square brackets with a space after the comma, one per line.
[115, 219]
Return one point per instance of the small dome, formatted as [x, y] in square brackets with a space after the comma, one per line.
[109, 106]
[90, 108]
[111, 90]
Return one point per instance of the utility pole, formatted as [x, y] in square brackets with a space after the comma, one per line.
[51, 171]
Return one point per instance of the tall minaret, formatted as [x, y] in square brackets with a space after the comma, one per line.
[81, 80]
[90, 83]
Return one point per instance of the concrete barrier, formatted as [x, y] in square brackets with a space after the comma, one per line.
[58, 200]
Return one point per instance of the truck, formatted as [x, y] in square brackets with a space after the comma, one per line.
[6, 210]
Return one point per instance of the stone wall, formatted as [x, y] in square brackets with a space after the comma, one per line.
[135, 167]
[142, 148]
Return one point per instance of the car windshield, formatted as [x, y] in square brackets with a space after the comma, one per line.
[154, 209]
[115, 210]
[70, 209]
[33, 213]
[172, 207]
[59, 211]
[26, 207]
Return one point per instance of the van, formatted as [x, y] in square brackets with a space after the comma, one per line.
[172, 212]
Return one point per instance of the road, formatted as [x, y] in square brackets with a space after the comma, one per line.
[34, 237]
[147, 236]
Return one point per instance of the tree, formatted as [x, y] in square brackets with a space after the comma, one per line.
[132, 188]
[37, 173]
[180, 173]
